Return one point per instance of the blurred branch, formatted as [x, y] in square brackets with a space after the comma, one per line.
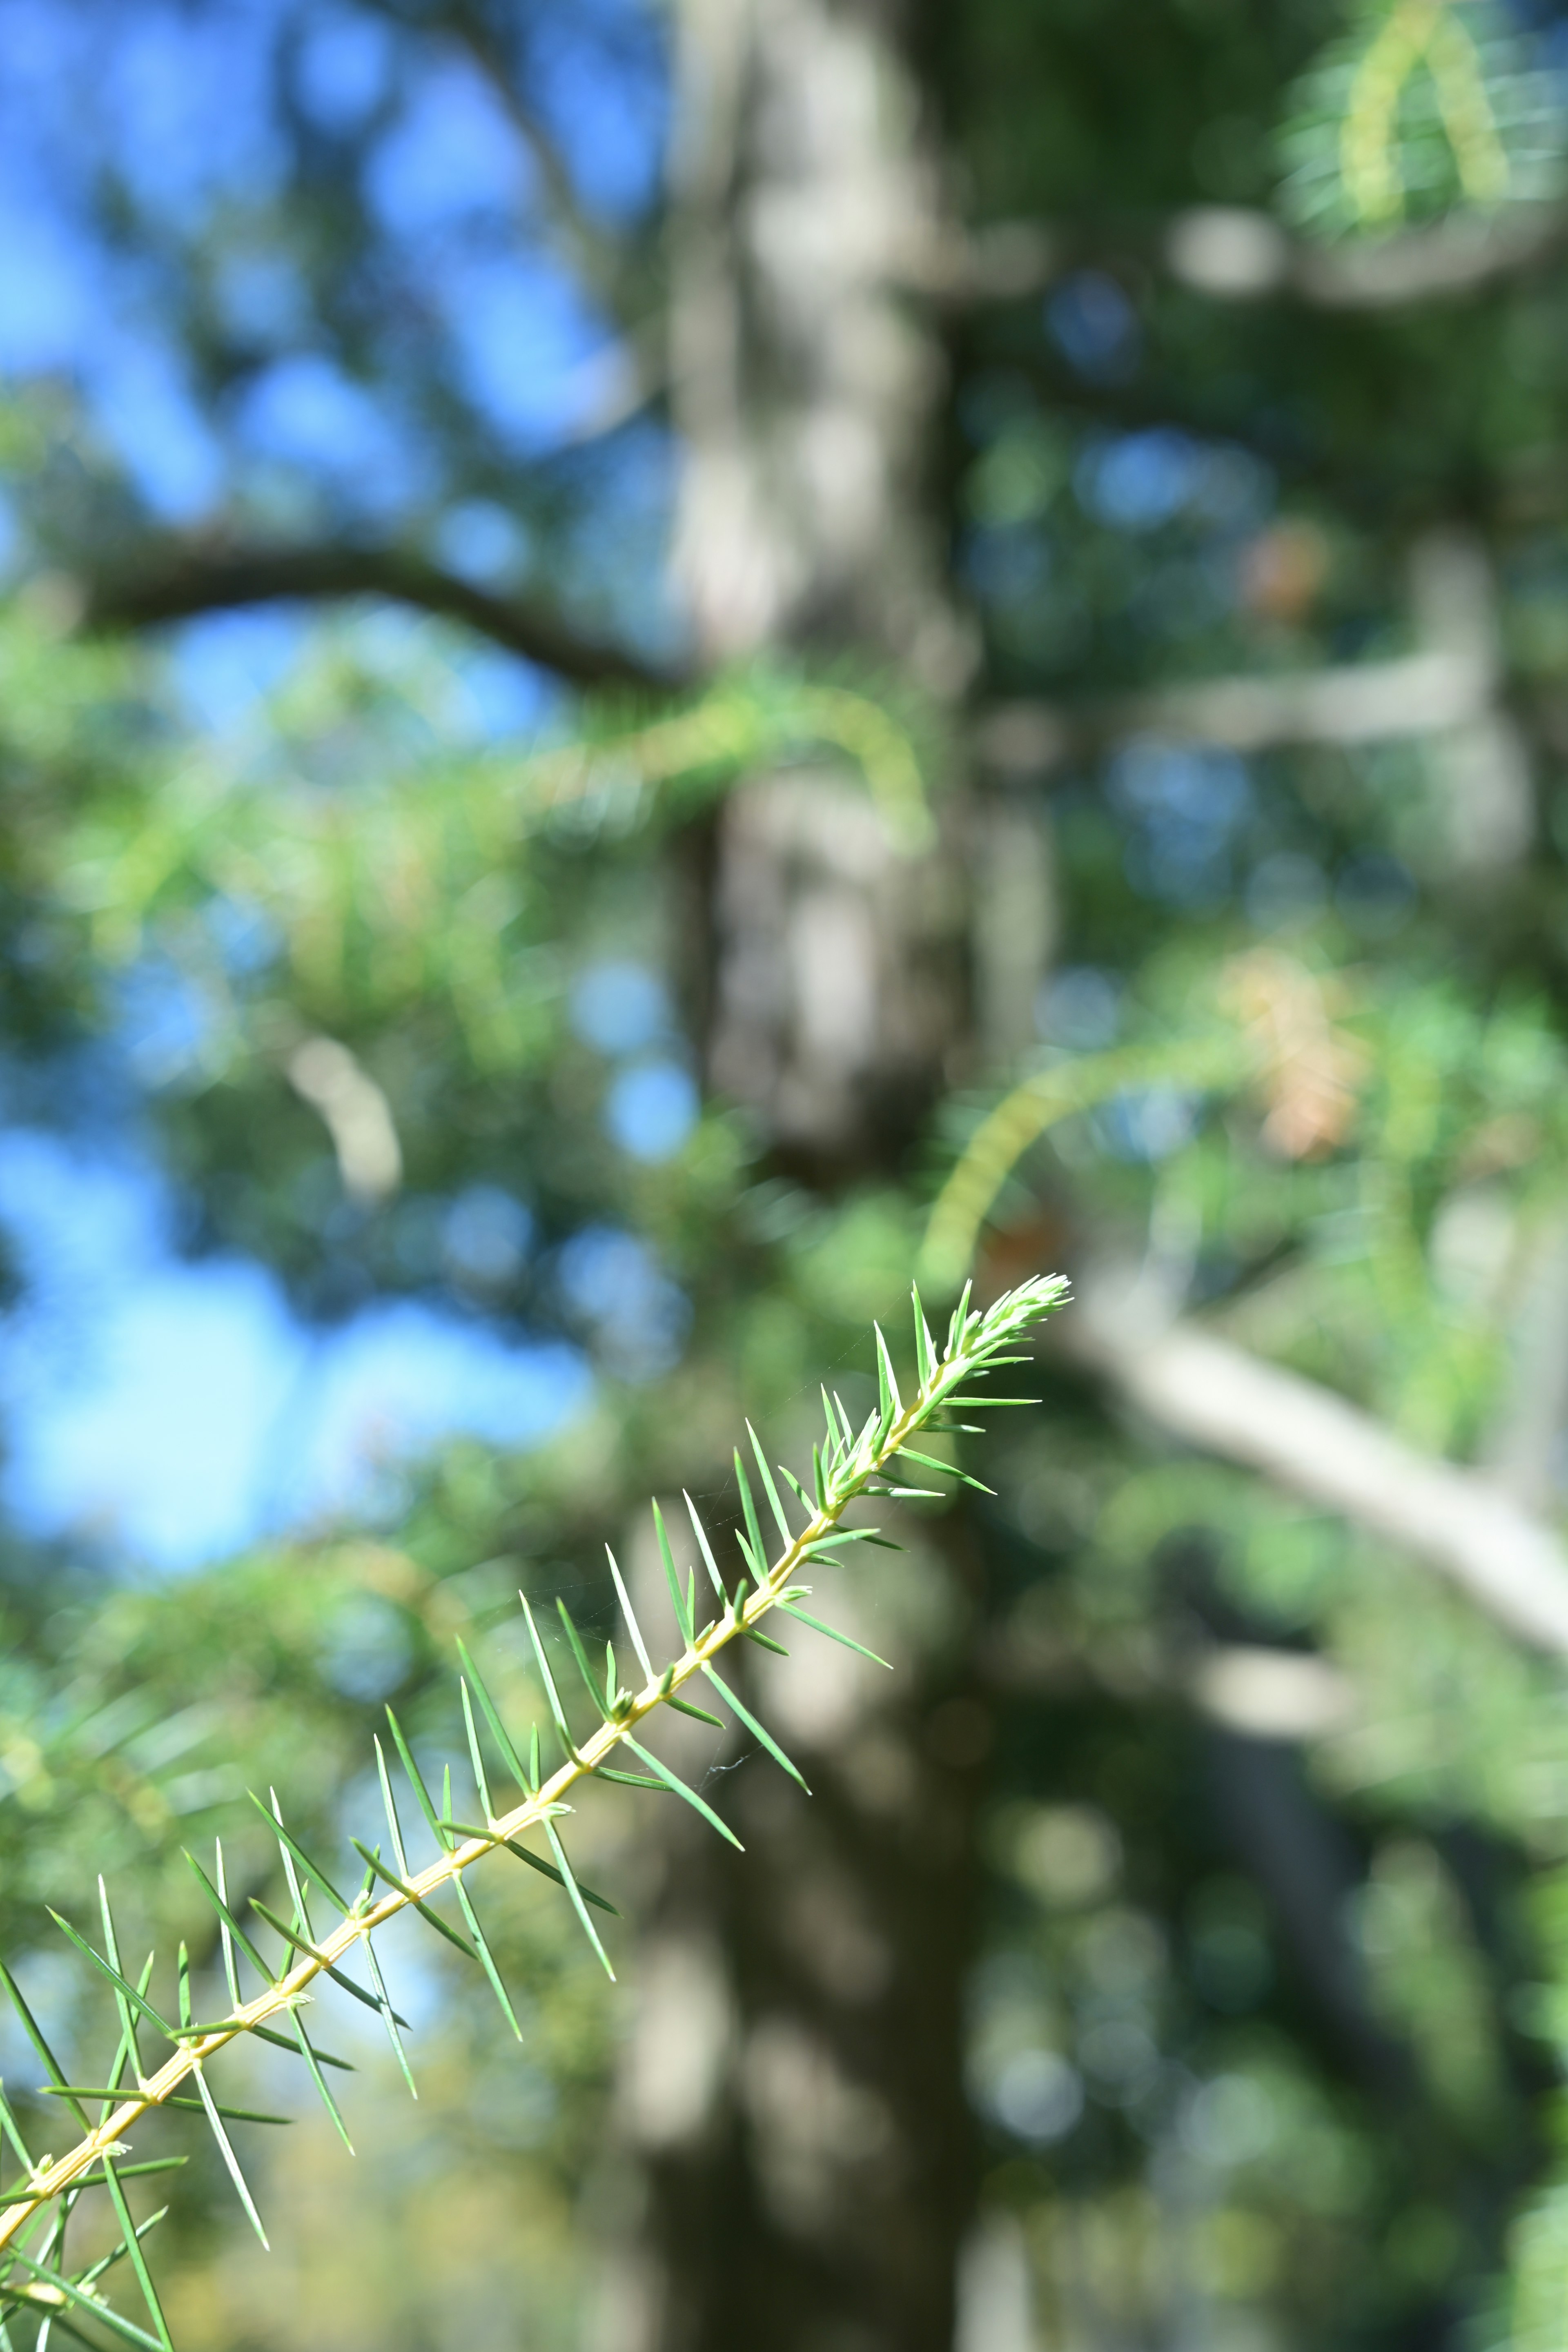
[1366, 702]
[1214, 410]
[1452, 690]
[1368, 475]
[1238, 254]
[1522, 1449]
[189, 582]
[1214, 1394]
[356, 1115]
[607, 264]
[600, 259]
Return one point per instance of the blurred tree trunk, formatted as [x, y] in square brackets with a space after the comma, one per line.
[793, 2086]
[805, 391]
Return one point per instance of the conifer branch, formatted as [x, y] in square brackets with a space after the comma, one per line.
[848, 1466]
[1282, 1034]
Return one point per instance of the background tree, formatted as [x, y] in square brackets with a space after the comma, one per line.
[1121, 452]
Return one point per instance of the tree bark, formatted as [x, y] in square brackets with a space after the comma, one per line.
[793, 2086]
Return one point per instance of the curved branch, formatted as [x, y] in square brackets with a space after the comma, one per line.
[181, 585]
[1235, 254]
[1215, 1395]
